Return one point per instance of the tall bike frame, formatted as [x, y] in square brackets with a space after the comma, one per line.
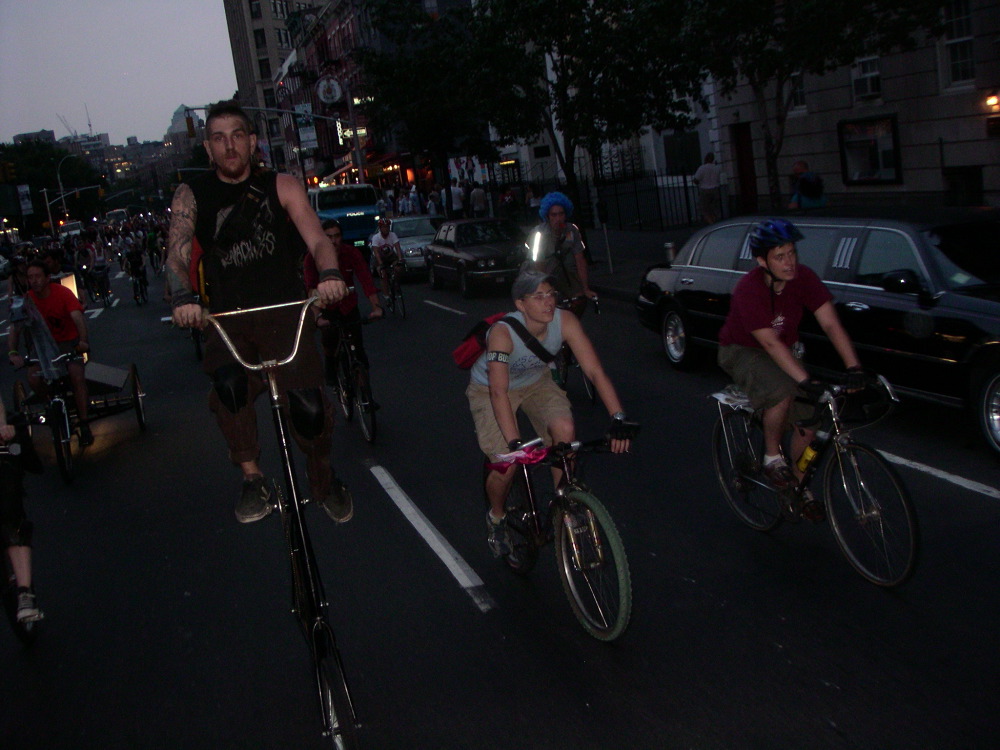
[309, 602]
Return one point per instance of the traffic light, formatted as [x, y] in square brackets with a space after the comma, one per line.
[11, 172]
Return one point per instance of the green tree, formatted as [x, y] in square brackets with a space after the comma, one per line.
[36, 163]
[766, 43]
[418, 84]
[585, 72]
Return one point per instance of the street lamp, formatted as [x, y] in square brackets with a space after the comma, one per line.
[62, 193]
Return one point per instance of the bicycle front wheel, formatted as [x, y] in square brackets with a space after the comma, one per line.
[737, 451]
[397, 292]
[364, 402]
[593, 566]
[345, 387]
[871, 515]
[339, 720]
[62, 440]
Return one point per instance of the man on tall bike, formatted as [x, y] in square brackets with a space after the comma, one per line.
[509, 376]
[555, 247]
[757, 342]
[244, 220]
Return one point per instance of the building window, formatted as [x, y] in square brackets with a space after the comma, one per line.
[274, 128]
[284, 38]
[264, 66]
[259, 38]
[797, 91]
[957, 54]
[866, 78]
[279, 8]
[254, 8]
[269, 100]
[869, 151]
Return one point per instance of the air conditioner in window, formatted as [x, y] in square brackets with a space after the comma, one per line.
[867, 87]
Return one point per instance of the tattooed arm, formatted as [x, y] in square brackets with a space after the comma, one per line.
[183, 212]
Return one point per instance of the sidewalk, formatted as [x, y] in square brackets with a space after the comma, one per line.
[631, 253]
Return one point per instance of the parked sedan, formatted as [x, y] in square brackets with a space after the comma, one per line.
[475, 252]
[919, 297]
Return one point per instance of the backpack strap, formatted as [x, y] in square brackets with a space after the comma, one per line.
[240, 219]
[530, 341]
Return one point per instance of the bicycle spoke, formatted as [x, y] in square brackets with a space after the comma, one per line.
[737, 447]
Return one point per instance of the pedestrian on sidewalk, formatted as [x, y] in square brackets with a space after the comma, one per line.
[708, 178]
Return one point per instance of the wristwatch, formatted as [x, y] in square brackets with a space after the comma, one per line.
[619, 415]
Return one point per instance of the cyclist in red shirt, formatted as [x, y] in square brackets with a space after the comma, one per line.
[63, 315]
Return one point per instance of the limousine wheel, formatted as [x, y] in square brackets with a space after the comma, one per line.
[673, 333]
[988, 408]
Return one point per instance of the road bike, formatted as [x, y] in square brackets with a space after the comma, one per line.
[27, 631]
[565, 362]
[870, 512]
[590, 555]
[394, 301]
[309, 602]
[353, 380]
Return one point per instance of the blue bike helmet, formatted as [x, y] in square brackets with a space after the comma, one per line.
[772, 233]
[554, 199]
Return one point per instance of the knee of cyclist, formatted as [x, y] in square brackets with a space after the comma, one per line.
[231, 386]
[305, 406]
[562, 430]
[17, 534]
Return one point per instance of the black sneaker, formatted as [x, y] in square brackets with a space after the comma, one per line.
[497, 536]
[86, 436]
[338, 503]
[255, 500]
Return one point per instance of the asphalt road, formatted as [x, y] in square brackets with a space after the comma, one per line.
[168, 623]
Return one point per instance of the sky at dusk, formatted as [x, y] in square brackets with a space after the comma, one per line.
[131, 63]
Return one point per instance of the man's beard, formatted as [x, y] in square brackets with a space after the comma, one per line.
[233, 172]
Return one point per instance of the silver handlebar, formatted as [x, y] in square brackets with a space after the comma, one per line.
[271, 364]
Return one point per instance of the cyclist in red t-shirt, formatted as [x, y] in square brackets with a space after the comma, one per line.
[63, 314]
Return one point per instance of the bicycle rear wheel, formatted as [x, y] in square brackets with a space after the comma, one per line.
[871, 515]
[364, 402]
[593, 566]
[339, 720]
[737, 449]
[345, 386]
[520, 528]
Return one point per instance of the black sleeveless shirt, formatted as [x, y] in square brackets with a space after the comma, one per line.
[264, 268]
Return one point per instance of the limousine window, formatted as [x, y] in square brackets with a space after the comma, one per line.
[719, 248]
[968, 255]
[885, 251]
[817, 245]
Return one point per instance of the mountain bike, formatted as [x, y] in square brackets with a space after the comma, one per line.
[353, 380]
[565, 361]
[309, 602]
[590, 555]
[870, 512]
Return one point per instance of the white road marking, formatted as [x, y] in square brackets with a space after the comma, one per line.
[119, 275]
[968, 484]
[460, 569]
[449, 309]
[117, 300]
[95, 312]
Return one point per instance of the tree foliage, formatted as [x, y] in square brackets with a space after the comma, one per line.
[765, 43]
[593, 71]
[418, 80]
[36, 163]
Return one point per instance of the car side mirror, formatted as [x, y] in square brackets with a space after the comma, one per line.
[902, 281]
